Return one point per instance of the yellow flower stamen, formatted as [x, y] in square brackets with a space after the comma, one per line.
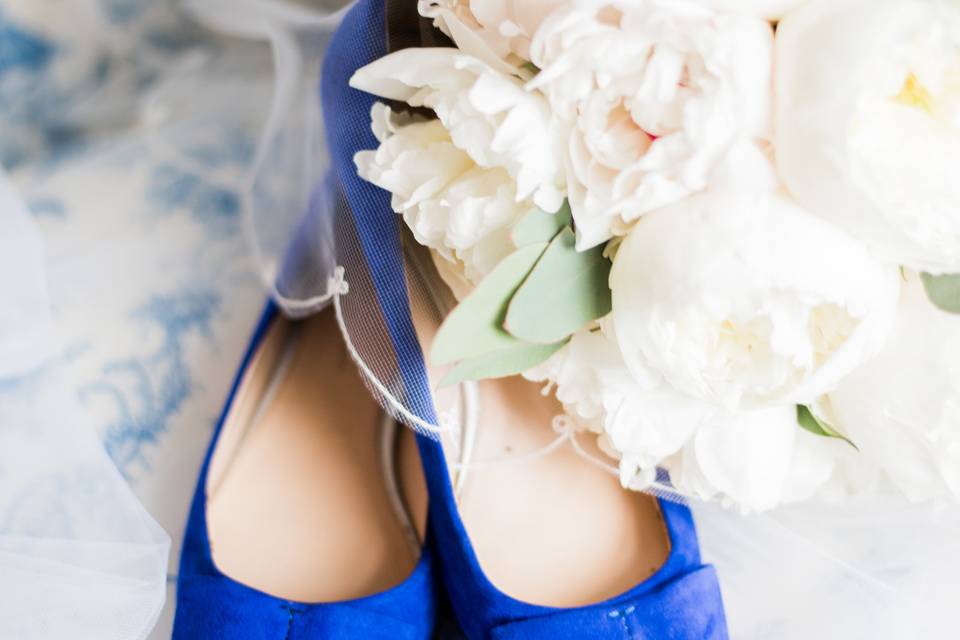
[915, 95]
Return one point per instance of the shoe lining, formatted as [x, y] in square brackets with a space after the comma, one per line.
[299, 503]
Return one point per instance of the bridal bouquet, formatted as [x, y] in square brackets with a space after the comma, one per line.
[726, 233]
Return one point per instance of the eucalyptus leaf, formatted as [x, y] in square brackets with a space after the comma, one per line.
[566, 289]
[943, 291]
[540, 226]
[814, 425]
[500, 364]
[475, 326]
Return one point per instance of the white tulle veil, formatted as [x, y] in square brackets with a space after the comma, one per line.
[79, 557]
[296, 219]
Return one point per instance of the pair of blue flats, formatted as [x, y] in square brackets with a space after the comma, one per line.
[679, 601]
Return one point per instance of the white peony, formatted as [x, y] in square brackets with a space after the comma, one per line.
[746, 300]
[502, 29]
[868, 122]
[903, 409]
[460, 210]
[653, 94]
[642, 420]
[489, 115]
[741, 457]
[752, 459]
[769, 9]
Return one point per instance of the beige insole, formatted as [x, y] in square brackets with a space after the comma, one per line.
[297, 502]
[554, 530]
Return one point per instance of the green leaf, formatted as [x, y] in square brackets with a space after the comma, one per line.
[808, 421]
[475, 326]
[817, 427]
[500, 364]
[566, 289]
[540, 226]
[943, 291]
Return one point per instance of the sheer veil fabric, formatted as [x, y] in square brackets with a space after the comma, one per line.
[298, 224]
[79, 557]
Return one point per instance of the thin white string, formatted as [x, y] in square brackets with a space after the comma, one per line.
[470, 400]
[276, 23]
[154, 117]
[337, 286]
[586, 455]
[388, 451]
[561, 424]
[566, 427]
[300, 306]
[537, 454]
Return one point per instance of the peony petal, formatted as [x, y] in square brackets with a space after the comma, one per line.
[747, 456]
[769, 9]
[618, 74]
[719, 293]
[489, 114]
[861, 140]
[903, 409]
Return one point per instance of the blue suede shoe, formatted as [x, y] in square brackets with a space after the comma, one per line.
[231, 556]
[677, 599]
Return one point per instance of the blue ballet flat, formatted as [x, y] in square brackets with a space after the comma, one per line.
[680, 601]
[212, 605]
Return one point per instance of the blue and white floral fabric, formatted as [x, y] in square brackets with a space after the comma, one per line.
[71, 69]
